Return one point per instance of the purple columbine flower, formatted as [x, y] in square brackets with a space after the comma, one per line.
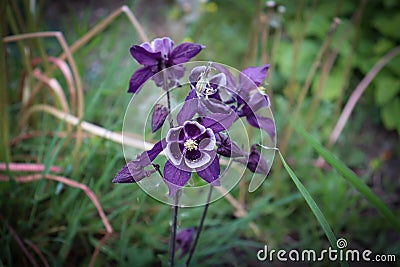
[158, 117]
[255, 162]
[134, 171]
[227, 147]
[158, 55]
[248, 96]
[204, 97]
[184, 239]
[190, 147]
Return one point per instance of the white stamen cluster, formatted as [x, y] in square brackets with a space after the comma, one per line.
[190, 144]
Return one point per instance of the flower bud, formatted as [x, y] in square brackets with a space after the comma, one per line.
[184, 240]
[160, 113]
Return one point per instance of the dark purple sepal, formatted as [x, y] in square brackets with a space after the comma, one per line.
[255, 162]
[143, 56]
[211, 173]
[230, 79]
[132, 172]
[213, 105]
[175, 177]
[184, 52]
[189, 108]
[184, 239]
[218, 121]
[256, 74]
[160, 113]
[264, 123]
[139, 78]
[147, 157]
[227, 148]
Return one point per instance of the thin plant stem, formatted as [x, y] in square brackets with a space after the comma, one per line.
[264, 24]
[4, 101]
[305, 88]
[172, 239]
[274, 51]
[251, 52]
[28, 255]
[308, 82]
[175, 207]
[198, 232]
[355, 96]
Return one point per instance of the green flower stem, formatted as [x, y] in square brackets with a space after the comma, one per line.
[172, 240]
[198, 232]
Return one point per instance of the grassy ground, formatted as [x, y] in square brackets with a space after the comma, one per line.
[63, 224]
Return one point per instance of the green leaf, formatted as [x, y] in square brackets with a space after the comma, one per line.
[387, 88]
[388, 25]
[390, 114]
[332, 85]
[313, 206]
[319, 25]
[306, 55]
[351, 177]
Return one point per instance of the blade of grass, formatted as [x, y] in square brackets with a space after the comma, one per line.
[313, 206]
[351, 177]
[4, 119]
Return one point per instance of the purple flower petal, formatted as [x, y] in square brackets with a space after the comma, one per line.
[255, 74]
[230, 79]
[218, 121]
[212, 105]
[184, 52]
[196, 159]
[145, 57]
[147, 157]
[258, 100]
[189, 108]
[138, 79]
[132, 172]
[163, 45]
[147, 46]
[195, 74]
[207, 140]
[228, 148]
[211, 173]
[193, 129]
[218, 80]
[175, 177]
[174, 134]
[158, 117]
[184, 239]
[265, 123]
[256, 163]
[174, 153]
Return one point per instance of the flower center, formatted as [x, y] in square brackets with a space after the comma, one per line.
[190, 144]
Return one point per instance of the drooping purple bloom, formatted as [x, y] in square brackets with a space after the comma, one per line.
[248, 97]
[255, 162]
[228, 148]
[184, 239]
[203, 98]
[158, 117]
[134, 171]
[205, 86]
[157, 56]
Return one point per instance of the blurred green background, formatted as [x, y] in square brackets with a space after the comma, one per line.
[63, 224]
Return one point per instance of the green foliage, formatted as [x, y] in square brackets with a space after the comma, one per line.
[64, 224]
